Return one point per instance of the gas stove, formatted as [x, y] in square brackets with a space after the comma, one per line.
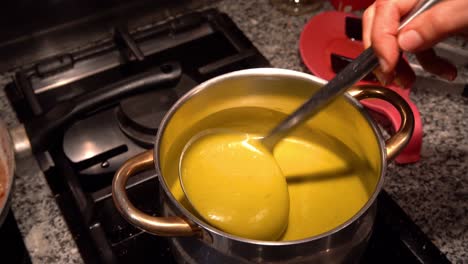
[118, 104]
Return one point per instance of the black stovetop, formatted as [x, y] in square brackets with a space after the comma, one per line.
[86, 151]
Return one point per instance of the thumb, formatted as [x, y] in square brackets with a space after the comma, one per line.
[437, 23]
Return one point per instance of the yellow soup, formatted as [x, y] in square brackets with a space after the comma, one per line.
[328, 181]
[325, 189]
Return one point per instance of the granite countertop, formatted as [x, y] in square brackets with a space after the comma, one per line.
[432, 191]
[39, 219]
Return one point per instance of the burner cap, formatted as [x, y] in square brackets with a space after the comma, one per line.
[139, 116]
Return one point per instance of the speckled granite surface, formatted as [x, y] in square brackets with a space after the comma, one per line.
[39, 219]
[434, 191]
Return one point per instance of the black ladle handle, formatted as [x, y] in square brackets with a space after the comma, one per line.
[42, 129]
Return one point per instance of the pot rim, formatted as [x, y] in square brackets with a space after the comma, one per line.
[266, 72]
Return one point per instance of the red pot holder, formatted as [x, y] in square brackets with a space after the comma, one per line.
[328, 41]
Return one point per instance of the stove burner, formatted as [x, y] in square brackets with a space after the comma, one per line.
[139, 116]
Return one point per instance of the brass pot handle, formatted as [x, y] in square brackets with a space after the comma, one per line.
[397, 142]
[161, 226]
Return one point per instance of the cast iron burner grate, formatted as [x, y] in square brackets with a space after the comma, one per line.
[85, 152]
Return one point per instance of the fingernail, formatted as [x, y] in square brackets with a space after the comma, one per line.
[383, 79]
[383, 65]
[410, 40]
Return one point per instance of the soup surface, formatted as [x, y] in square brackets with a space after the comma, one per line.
[235, 184]
[325, 188]
[328, 182]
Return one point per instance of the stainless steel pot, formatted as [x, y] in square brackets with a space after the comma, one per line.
[193, 240]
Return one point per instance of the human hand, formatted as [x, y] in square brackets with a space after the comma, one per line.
[380, 28]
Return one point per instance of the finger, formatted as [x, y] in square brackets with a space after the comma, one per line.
[437, 23]
[367, 20]
[385, 30]
[436, 65]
